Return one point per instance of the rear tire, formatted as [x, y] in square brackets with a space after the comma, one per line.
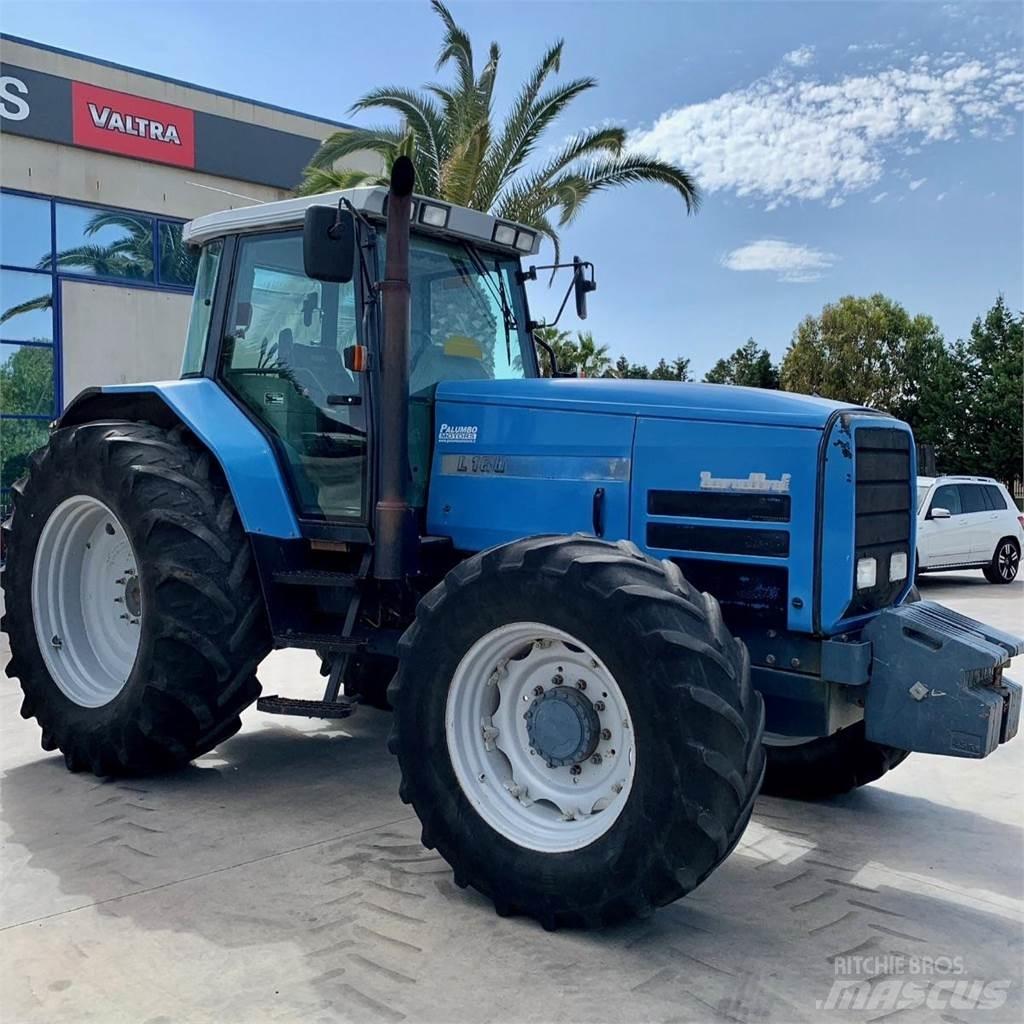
[200, 615]
[1005, 562]
[664, 670]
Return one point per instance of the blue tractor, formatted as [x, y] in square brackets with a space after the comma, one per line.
[604, 611]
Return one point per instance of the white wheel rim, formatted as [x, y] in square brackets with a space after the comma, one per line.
[550, 809]
[86, 601]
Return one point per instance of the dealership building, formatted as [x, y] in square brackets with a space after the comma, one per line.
[100, 166]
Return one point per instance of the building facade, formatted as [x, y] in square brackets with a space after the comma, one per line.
[100, 166]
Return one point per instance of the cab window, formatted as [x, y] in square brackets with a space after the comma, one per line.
[467, 316]
[282, 356]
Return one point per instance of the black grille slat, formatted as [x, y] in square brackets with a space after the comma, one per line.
[726, 540]
[876, 467]
[766, 508]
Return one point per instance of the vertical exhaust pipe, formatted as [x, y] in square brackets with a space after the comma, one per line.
[393, 534]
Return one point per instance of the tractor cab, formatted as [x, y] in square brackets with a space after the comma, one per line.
[302, 355]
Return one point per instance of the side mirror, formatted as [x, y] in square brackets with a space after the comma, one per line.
[939, 513]
[329, 244]
[582, 285]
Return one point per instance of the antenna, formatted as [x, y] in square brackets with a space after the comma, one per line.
[224, 191]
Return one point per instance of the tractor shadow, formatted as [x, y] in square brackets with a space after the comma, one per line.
[290, 842]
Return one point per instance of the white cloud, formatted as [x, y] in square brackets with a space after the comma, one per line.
[916, 184]
[791, 262]
[786, 138]
[801, 57]
[879, 197]
[835, 202]
[940, 197]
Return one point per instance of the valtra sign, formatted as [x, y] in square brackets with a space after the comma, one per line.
[71, 113]
[132, 126]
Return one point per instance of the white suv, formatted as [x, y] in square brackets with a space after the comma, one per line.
[968, 522]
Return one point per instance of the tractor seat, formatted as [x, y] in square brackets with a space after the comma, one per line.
[435, 365]
[317, 368]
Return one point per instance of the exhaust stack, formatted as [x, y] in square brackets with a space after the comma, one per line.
[393, 534]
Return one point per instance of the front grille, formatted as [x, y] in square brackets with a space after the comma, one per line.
[883, 496]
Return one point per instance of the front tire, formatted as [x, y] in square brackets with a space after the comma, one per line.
[1005, 562]
[637, 706]
[153, 603]
[827, 766]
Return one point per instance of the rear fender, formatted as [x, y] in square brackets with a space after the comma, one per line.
[248, 460]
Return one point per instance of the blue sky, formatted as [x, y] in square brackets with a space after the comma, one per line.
[843, 147]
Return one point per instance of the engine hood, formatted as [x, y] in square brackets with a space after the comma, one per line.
[662, 399]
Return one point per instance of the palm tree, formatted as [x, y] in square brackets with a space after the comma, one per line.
[464, 156]
[592, 359]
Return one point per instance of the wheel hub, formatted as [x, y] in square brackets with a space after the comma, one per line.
[563, 727]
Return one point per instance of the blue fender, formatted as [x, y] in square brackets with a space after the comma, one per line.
[249, 462]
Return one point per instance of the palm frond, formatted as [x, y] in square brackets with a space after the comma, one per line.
[422, 116]
[576, 186]
[456, 47]
[515, 123]
[342, 144]
[461, 170]
[538, 119]
[316, 180]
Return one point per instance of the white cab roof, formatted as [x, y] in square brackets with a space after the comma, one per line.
[461, 222]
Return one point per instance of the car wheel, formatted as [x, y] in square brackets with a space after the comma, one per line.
[1005, 562]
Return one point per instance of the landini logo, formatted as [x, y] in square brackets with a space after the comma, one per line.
[132, 125]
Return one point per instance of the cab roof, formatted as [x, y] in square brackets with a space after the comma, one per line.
[459, 222]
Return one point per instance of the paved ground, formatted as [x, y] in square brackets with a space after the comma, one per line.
[281, 879]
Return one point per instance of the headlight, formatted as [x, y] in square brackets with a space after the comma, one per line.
[898, 567]
[433, 216]
[867, 570]
[525, 240]
[504, 234]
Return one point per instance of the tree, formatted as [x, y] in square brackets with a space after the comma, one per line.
[678, 369]
[591, 359]
[630, 371]
[463, 155]
[990, 435]
[749, 366]
[869, 351]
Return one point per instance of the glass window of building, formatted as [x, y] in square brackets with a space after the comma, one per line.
[25, 239]
[26, 380]
[104, 243]
[177, 260]
[26, 307]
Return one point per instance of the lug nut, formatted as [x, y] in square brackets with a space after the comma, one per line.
[575, 770]
[596, 759]
[599, 705]
[581, 684]
[606, 734]
[538, 690]
[557, 679]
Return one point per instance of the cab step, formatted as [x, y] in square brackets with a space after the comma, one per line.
[342, 707]
[316, 578]
[314, 641]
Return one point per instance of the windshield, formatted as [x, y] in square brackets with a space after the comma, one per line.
[922, 493]
[468, 317]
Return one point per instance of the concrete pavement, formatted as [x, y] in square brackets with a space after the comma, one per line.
[280, 878]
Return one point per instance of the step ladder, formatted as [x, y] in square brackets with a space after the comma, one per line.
[343, 645]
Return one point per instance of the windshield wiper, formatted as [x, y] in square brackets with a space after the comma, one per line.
[509, 317]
